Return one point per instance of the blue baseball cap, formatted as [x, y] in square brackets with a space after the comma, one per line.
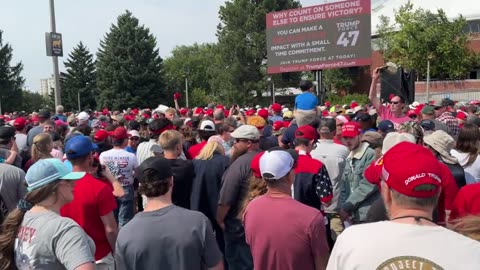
[386, 126]
[46, 171]
[79, 146]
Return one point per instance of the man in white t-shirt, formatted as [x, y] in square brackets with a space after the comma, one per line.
[410, 240]
[122, 165]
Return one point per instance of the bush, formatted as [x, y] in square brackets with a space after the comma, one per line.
[341, 100]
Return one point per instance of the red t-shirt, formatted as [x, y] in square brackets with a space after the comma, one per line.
[92, 200]
[467, 202]
[284, 234]
[196, 149]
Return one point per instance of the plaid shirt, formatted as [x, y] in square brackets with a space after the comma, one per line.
[451, 122]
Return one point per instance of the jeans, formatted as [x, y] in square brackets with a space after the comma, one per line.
[124, 212]
[237, 251]
[237, 254]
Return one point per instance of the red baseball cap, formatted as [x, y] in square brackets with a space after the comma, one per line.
[183, 111]
[119, 133]
[277, 125]
[20, 123]
[263, 113]
[209, 112]
[276, 107]
[403, 175]
[325, 113]
[306, 132]
[198, 111]
[101, 135]
[255, 165]
[461, 116]
[250, 112]
[327, 104]
[351, 129]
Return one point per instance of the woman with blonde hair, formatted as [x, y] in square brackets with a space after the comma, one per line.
[34, 235]
[256, 185]
[468, 226]
[41, 149]
[209, 167]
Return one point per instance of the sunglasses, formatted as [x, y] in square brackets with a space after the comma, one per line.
[394, 102]
[240, 140]
[134, 138]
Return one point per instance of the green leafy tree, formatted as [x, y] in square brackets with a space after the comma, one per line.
[193, 62]
[337, 79]
[31, 101]
[417, 36]
[79, 80]
[11, 81]
[129, 68]
[240, 66]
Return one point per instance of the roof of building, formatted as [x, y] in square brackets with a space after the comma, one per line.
[467, 8]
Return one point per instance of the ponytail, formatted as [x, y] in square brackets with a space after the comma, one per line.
[11, 224]
[9, 231]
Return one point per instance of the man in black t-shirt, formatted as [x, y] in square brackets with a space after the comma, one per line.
[183, 171]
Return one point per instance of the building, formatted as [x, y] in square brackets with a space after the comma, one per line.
[459, 90]
[47, 86]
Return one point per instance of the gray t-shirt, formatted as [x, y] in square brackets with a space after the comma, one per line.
[12, 185]
[32, 133]
[234, 189]
[169, 238]
[49, 241]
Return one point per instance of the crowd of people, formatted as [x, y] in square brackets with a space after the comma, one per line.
[384, 185]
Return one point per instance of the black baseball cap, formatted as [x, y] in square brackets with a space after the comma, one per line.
[386, 126]
[44, 114]
[159, 164]
[427, 125]
[327, 125]
[447, 102]
[7, 132]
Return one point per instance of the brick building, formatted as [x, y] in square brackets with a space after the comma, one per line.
[459, 90]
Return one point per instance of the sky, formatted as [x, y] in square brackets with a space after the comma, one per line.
[172, 22]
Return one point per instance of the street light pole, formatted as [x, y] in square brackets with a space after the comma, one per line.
[428, 81]
[186, 90]
[58, 99]
[79, 107]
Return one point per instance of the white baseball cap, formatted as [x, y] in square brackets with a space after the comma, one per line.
[83, 116]
[133, 133]
[275, 164]
[207, 125]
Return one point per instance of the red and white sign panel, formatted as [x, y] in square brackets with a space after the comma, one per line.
[334, 35]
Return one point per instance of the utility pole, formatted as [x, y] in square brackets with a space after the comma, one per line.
[428, 81]
[58, 98]
[186, 89]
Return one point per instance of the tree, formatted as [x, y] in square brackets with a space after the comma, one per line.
[418, 36]
[31, 101]
[79, 79]
[240, 66]
[193, 62]
[337, 79]
[11, 81]
[129, 68]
